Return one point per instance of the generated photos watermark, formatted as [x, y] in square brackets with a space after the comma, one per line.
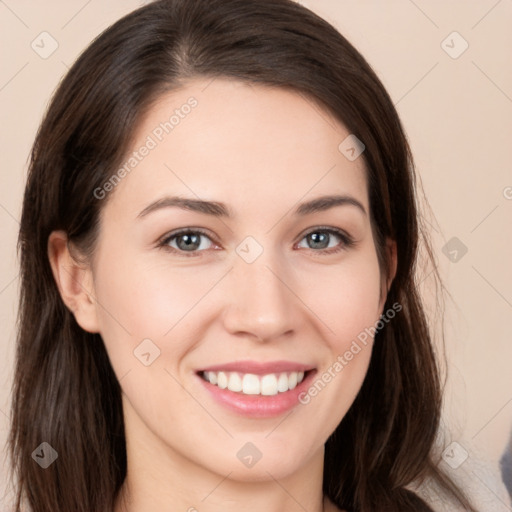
[344, 359]
[152, 140]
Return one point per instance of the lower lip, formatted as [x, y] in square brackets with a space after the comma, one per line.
[258, 406]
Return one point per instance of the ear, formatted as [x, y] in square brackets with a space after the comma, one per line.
[74, 281]
[387, 280]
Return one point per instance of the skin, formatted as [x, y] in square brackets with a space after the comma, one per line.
[261, 151]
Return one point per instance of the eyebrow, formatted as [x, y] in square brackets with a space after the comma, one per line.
[217, 209]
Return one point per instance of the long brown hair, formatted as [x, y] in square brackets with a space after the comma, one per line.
[65, 392]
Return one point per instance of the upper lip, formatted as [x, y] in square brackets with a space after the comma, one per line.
[259, 368]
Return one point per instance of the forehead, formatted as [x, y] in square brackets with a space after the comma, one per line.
[239, 143]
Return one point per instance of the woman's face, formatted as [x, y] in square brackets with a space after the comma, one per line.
[269, 286]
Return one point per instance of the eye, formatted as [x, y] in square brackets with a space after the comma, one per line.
[320, 240]
[186, 241]
[189, 242]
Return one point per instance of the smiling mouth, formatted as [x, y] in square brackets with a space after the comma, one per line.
[270, 384]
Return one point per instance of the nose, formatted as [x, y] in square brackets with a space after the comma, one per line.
[260, 301]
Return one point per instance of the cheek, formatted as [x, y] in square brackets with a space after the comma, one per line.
[349, 300]
[138, 300]
[349, 310]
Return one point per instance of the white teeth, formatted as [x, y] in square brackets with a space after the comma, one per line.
[269, 385]
[222, 380]
[282, 383]
[235, 382]
[292, 380]
[251, 384]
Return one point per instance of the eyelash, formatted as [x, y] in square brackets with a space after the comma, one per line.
[346, 240]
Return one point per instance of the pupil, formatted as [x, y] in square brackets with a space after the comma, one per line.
[315, 238]
[190, 241]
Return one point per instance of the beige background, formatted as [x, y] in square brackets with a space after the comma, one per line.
[458, 116]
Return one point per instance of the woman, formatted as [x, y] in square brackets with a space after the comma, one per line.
[218, 307]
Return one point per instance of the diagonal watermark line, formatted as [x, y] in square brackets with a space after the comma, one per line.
[424, 14]
[200, 404]
[10, 214]
[198, 301]
[76, 14]
[300, 300]
[487, 281]
[9, 284]
[431, 226]
[417, 83]
[304, 195]
[14, 76]
[286, 491]
[3, 2]
[492, 81]
[492, 211]
[279, 424]
[213, 490]
[98, 302]
[425, 277]
[317, 110]
[125, 374]
[492, 419]
[497, 497]
[485, 15]
[165, 165]
[208, 84]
